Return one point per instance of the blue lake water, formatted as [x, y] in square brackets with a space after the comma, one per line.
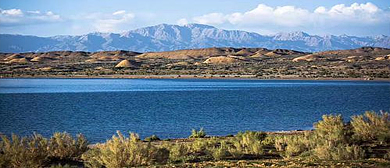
[170, 108]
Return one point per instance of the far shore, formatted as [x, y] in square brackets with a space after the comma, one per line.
[246, 77]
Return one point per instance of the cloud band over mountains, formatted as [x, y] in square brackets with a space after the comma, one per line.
[265, 19]
[16, 17]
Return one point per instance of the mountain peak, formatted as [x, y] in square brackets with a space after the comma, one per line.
[293, 36]
[197, 25]
[166, 37]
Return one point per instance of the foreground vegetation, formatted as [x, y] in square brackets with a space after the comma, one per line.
[362, 142]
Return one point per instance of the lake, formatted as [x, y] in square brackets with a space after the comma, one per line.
[170, 108]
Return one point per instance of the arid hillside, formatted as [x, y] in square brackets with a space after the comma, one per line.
[365, 62]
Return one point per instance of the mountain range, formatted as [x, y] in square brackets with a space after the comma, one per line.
[166, 37]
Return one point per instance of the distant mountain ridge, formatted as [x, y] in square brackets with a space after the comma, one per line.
[166, 37]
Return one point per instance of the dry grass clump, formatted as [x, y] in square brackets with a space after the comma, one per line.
[121, 151]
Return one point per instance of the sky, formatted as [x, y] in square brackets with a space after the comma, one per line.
[76, 17]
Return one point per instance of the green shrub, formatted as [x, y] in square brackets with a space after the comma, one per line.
[371, 126]
[121, 151]
[220, 152]
[330, 129]
[197, 134]
[204, 145]
[23, 151]
[92, 158]
[332, 140]
[329, 141]
[152, 138]
[255, 135]
[249, 142]
[296, 145]
[280, 143]
[64, 146]
[178, 152]
[268, 141]
[339, 152]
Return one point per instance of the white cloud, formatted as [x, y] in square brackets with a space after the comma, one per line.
[355, 13]
[111, 22]
[182, 22]
[212, 18]
[13, 17]
[121, 12]
[290, 17]
[12, 12]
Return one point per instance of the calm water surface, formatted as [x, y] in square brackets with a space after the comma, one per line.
[170, 108]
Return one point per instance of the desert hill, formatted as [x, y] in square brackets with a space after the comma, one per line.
[364, 62]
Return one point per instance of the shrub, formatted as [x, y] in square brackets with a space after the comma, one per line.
[178, 152]
[255, 135]
[220, 152]
[268, 141]
[197, 134]
[64, 146]
[152, 138]
[371, 126]
[204, 145]
[330, 129]
[296, 145]
[23, 151]
[92, 158]
[331, 140]
[339, 152]
[247, 143]
[121, 151]
[280, 143]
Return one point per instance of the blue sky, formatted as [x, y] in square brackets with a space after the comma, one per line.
[74, 17]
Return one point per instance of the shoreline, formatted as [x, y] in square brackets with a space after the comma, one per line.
[237, 77]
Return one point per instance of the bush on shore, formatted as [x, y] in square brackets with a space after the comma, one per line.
[197, 134]
[121, 151]
[372, 126]
[64, 146]
[37, 151]
[333, 139]
[23, 151]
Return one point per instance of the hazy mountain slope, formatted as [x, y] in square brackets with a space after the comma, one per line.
[165, 37]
